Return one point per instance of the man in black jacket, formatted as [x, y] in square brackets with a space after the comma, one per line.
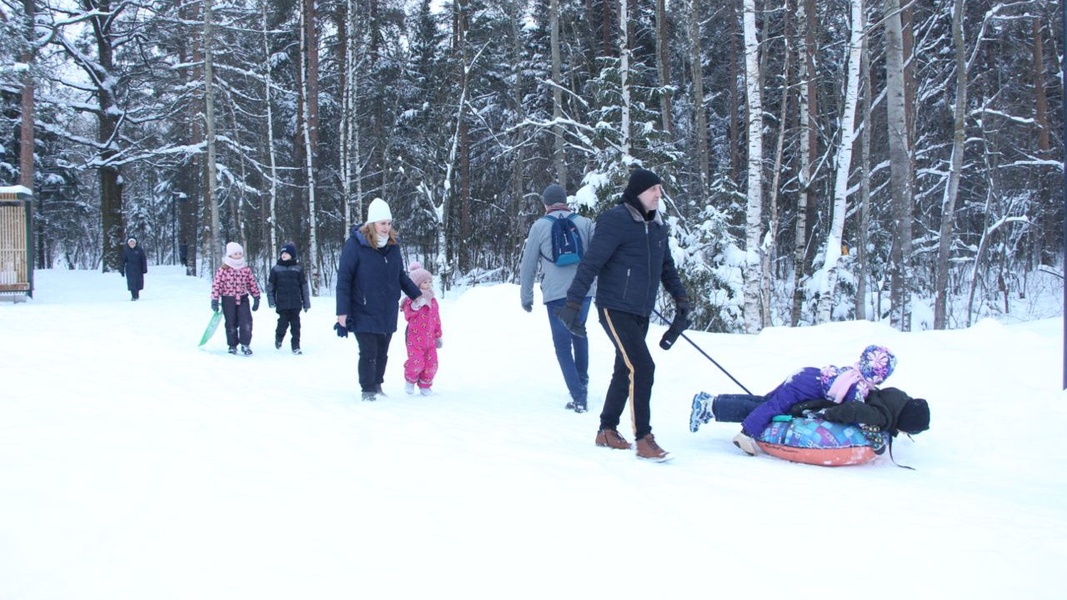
[629, 258]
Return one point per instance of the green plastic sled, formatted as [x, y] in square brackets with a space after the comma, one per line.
[212, 325]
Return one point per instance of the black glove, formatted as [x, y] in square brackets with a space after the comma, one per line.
[255, 304]
[439, 344]
[214, 305]
[341, 330]
[527, 306]
[678, 325]
[569, 316]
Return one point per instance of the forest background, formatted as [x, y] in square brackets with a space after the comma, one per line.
[895, 161]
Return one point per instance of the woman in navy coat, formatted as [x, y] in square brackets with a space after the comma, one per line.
[370, 278]
[133, 267]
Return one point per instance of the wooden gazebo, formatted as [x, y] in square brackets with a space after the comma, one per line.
[16, 242]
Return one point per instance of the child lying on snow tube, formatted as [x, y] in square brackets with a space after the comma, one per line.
[836, 384]
[819, 431]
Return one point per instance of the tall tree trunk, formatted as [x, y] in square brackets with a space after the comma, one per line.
[1040, 97]
[624, 77]
[192, 174]
[663, 65]
[211, 193]
[349, 134]
[734, 92]
[272, 194]
[310, 118]
[807, 110]
[948, 201]
[559, 158]
[753, 214]
[769, 244]
[832, 250]
[108, 117]
[901, 180]
[862, 268]
[700, 112]
[26, 142]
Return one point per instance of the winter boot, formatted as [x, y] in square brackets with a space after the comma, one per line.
[378, 390]
[701, 412]
[246, 350]
[426, 391]
[232, 350]
[297, 351]
[610, 438]
[648, 449]
[580, 406]
[277, 344]
[369, 397]
[746, 443]
[409, 387]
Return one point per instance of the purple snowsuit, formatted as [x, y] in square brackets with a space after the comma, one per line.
[805, 384]
[839, 385]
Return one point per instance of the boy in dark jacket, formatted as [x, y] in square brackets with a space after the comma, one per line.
[287, 292]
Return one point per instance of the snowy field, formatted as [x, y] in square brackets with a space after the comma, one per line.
[134, 465]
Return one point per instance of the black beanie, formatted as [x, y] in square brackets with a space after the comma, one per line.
[641, 180]
[914, 417]
[554, 194]
[289, 248]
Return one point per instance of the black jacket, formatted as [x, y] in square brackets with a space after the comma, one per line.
[287, 287]
[629, 258]
[880, 409]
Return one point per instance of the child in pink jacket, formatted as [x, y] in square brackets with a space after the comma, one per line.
[233, 284]
[423, 333]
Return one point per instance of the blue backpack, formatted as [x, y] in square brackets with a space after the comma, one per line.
[566, 242]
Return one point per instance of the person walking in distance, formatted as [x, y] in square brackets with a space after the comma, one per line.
[133, 267]
[542, 254]
[630, 259]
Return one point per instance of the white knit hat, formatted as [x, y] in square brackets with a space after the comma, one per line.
[378, 211]
[233, 248]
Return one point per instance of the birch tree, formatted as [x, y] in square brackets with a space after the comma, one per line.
[843, 165]
[753, 214]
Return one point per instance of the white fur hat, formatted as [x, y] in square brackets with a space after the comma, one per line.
[378, 211]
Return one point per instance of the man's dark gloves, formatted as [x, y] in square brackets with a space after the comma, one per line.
[678, 325]
[569, 316]
[527, 306]
[341, 330]
[255, 304]
[214, 305]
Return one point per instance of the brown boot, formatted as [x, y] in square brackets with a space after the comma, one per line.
[610, 438]
[648, 449]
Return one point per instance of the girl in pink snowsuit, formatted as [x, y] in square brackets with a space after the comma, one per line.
[423, 333]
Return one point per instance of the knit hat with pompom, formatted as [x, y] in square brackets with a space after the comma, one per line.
[418, 274]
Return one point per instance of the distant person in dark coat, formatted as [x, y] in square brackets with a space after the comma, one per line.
[629, 258]
[287, 293]
[133, 267]
[370, 278]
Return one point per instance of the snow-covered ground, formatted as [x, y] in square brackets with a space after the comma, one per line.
[134, 465]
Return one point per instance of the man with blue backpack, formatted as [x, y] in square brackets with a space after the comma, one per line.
[554, 246]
